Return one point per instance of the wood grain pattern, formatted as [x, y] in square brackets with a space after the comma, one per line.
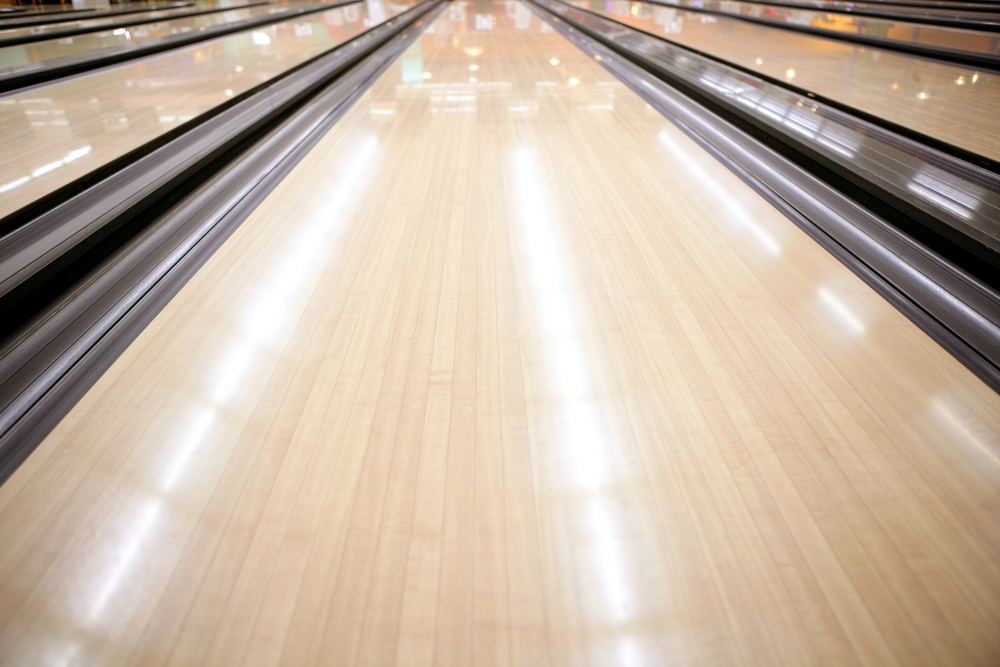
[509, 371]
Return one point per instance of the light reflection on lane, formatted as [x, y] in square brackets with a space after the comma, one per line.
[738, 215]
[959, 427]
[124, 564]
[584, 443]
[269, 317]
[843, 314]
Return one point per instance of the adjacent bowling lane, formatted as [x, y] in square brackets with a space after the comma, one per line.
[956, 105]
[54, 49]
[509, 371]
[62, 131]
[111, 22]
[43, 15]
[941, 13]
[898, 31]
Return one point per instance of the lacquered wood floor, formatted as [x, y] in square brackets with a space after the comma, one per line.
[508, 371]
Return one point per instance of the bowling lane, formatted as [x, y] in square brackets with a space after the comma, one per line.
[41, 52]
[509, 370]
[954, 104]
[62, 131]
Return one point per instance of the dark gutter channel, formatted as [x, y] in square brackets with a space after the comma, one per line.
[930, 52]
[81, 14]
[32, 74]
[952, 306]
[882, 171]
[73, 32]
[51, 361]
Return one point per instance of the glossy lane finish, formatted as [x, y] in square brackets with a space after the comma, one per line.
[509, 371]
[40, 52]
[60, 132]
[953, 104]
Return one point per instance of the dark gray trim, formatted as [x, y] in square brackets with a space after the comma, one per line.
[79, 14]
[53, 360]
[32, 74]
[937, 296]
[72, 32]
[928, 51]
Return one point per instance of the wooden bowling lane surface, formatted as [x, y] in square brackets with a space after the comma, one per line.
[951, 103]
[57, 133]
[509, 371]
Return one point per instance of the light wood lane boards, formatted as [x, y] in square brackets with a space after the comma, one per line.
[509, 371]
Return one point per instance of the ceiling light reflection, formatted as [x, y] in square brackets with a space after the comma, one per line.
[738, 213]
[270, 311]
[6, 187]
[844, 314]
[582, 437]
[959, 427]
[125, 558]
[192, 438]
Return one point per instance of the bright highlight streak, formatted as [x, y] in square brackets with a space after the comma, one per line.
[957, 425]
[125, 558]
[843, 312]
[737, 213]
[189, 443]
[6, 187]
[228, 378]
[46, 168]
[585, 445]
[269, 312]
